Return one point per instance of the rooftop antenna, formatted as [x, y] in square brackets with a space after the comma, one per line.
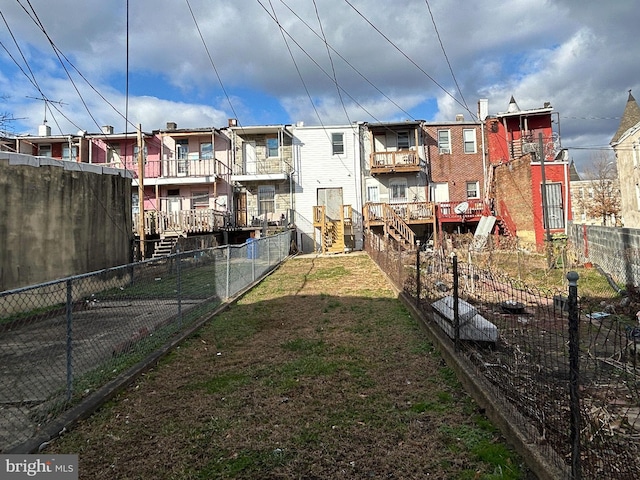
[46, 105]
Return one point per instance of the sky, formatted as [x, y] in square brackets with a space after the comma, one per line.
[82, 64]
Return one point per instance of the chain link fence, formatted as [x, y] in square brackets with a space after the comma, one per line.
[508, 321]
[62, 340]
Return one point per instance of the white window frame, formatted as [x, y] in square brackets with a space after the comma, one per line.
[66, 150]
[45, 150]
[397, 186]
[269, 147]
[337, 143]
[444, 141]
[469, 140]
[404, 140]
[266, 199]
[206, 150]
[475, 185]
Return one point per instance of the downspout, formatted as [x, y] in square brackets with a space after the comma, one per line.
[566, 198]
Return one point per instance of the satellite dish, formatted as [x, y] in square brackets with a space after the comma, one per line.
[461, 208]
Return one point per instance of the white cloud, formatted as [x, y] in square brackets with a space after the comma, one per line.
[576, 55]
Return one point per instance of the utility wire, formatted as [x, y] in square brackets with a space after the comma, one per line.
[455, 80]
[195, 21]
[333, 69]
[349, 63]
[409, 58]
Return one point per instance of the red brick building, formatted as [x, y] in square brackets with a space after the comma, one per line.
[526, 162]
[455, 166]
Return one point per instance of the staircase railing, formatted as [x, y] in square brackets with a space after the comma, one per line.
[394, 221]
[506, 218]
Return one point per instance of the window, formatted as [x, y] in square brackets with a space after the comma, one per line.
[634, 147]
[473, 189]
[66, 150]
[444, 141]
[44, 150]
[182, 149]
[266, 199]
[182, 153]
[206, 151]
[398, 190]
[272, 147]
[136, 150]
[337, 143]
[199, 200]
[403, 141]
[469, 139]
[638, 196]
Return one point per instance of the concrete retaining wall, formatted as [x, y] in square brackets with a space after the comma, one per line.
[60, 218]
[615, 249]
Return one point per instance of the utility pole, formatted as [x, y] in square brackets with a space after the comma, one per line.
[141, 229]
[545, 210]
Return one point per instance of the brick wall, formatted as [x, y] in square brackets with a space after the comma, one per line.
[456, 168]
[512, 184]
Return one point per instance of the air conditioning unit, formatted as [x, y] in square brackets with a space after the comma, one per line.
[445, 151]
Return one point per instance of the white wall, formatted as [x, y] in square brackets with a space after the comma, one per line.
[317, 168]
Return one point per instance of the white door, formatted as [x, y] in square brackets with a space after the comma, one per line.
[249, 155]
[439, 192]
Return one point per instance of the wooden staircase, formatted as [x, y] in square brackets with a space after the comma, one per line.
[396, 228]
[332, 231]
[166, 244]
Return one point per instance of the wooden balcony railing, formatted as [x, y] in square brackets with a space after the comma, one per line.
[400, 161]
[182, 221]
[446, 211]
[410, 212]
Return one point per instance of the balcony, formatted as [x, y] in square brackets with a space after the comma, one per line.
[395, 162]
[416, 213]
[268, 169]
[186, 170]
[182, 221]
[446, 211]
[530, 143]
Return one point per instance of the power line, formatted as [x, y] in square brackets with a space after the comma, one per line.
[455, 80]
[195, 21]
[408, 58]
[348, 63]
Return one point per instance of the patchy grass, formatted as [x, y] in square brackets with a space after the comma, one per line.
[318, 372]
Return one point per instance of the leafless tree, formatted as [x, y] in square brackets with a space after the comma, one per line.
[603, 199]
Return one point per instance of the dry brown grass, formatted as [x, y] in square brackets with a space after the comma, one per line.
[318, 372]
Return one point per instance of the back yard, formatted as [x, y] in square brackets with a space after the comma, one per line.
[318, 372]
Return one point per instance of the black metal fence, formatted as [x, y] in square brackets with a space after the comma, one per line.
[566, 376]
[62, 340]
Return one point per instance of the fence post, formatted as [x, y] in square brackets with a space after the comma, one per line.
[418, 273]
[179, 290]
[69, 315]
[456, 314]
[228, 272]
[574, 375]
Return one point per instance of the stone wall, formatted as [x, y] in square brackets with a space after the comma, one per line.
[60, 218]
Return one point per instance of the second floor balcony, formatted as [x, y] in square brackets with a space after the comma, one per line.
[178, 170]
[395, 161]
[271, 168]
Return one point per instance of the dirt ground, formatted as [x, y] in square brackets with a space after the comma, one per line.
[317, 373]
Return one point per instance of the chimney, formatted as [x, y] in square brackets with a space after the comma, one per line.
[459, 117]
[483, 109]
[107, 130]
[233, 122]
[44, 131]
[172, 125]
